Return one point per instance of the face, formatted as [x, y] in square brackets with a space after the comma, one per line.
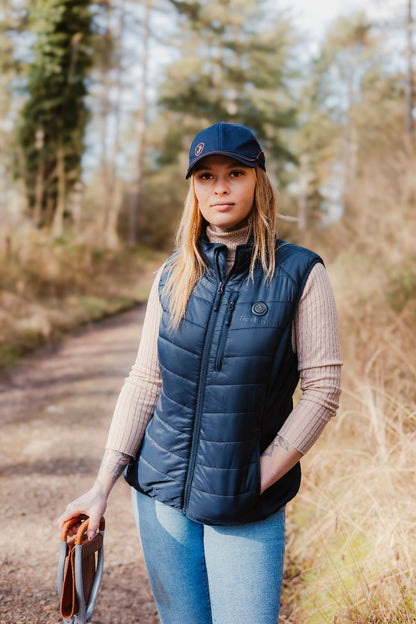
[225, 191]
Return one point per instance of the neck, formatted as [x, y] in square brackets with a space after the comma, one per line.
[239, 226]
[230, 238]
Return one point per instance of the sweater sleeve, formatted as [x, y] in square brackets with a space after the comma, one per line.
[316, 341]
[140, 391]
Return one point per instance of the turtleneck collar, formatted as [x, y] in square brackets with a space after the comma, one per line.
[231, 240]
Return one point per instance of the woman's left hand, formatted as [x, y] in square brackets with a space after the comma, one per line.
[276, 461]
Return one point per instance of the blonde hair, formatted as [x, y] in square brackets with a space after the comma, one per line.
[187, 266]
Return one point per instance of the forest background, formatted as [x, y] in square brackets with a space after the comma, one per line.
[98, 103]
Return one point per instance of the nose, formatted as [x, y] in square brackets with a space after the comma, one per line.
[221, 187]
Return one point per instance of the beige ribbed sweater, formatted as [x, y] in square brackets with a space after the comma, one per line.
[314, 338]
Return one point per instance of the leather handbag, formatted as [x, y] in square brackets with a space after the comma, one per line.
[80, 571]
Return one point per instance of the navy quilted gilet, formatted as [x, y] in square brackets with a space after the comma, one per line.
[229, 373]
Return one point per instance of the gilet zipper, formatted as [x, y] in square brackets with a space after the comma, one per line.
[224, 332]
[201, 392]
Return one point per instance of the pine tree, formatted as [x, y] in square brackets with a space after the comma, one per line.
[234, 66]
[332, 130]
[233, 61]
[11, 26]
[54, 116]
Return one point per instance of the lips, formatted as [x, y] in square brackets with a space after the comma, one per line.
[223, 206]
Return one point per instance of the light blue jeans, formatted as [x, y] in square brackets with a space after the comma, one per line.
[203, 574]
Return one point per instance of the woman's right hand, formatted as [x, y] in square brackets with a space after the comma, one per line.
[92, 504]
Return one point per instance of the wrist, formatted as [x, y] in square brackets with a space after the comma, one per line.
[278, 458]
[267, 472]
[98, 489]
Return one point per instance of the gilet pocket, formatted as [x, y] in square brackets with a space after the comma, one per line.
[224, 331]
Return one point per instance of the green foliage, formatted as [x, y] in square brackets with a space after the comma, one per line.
[54, 116]
[402, 286]
[349, 53]
[162, 199]
[234, 66]
[8, 355]
[346, 98]
[11, 25]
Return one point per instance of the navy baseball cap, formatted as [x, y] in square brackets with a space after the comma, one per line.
[233, 140]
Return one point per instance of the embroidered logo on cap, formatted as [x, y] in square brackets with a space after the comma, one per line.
[199, 148]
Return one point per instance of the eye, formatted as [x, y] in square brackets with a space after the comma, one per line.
[236, 173]
[204, 175]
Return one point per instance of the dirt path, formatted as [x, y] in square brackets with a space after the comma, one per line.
[55, 411]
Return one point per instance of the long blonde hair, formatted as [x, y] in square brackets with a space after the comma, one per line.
[187, 266]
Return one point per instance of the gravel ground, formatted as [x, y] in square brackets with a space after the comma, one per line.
[55, 409]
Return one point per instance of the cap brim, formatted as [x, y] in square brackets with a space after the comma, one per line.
[247, 162]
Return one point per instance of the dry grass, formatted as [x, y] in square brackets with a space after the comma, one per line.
[50, 287]
[352, 531]
[356, 517]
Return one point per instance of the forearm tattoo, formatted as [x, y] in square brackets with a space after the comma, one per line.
[114, 464]
[278, 441]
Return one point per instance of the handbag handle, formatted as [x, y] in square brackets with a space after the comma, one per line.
[70, 577]
[81, 530]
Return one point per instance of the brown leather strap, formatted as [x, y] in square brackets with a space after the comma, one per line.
[68, 525]
[84, 522]
[69, 604]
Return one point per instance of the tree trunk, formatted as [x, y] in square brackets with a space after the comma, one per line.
[141, 133]
[40, 179]
[105, 194]
[409, 121]
[37, 210]
[304, 182]
[113, 206]
[351, 147]
[58, 220]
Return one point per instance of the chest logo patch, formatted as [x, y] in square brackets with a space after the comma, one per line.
[259, 308]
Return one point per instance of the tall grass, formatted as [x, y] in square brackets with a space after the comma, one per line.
[352, 529]
[355, 537]
[49, 287]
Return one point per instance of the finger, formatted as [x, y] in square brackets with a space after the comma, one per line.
[64, 518]
[94, 524]
[69, 513]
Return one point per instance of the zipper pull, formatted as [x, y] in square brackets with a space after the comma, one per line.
[230, 309]
[220, 291]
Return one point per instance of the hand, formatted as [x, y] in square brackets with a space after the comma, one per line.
[276, 461]
[92, 504]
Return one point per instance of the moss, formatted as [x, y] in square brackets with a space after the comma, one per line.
[8, 355]
[402, 288]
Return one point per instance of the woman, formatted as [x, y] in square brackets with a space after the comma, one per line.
[205, 422]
